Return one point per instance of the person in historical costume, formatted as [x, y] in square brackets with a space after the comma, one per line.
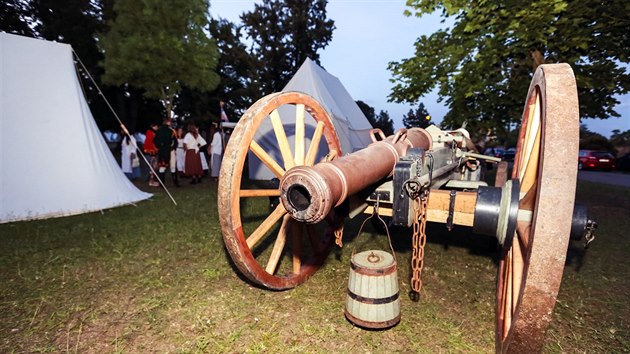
[216, 149]
[166, 143]
[192, 143]
[129, 161]
[180, 153]
[151, 150]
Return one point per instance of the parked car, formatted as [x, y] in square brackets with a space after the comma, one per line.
[589, 159]
[494, 151]
[509, 154]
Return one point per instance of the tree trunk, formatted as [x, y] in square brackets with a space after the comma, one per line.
[538, 58]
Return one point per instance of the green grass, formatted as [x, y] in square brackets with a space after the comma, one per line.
[156, 278]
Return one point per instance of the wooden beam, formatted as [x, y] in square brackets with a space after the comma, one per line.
[438, 207]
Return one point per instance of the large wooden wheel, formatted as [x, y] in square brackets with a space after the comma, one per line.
[531, 270]
[280, 252]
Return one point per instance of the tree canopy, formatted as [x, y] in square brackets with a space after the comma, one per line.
[381, 120]
[483, 62]
[419, 118]
[284, 33]
[160, 46]
[13, 17]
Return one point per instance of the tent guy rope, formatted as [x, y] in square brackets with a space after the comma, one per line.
[122, 125]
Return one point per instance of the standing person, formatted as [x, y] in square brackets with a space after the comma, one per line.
[151, 150]
[202, 153]
[166, 143]
[180, 153]
[216, 149]
[192, 142]
[129, 161]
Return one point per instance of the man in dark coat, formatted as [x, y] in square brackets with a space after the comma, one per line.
[166, 141]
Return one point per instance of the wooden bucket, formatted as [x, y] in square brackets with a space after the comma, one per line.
[373, 299]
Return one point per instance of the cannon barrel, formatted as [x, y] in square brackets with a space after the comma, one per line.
[309, 193]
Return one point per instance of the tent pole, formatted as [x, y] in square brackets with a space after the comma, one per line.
[124, 128]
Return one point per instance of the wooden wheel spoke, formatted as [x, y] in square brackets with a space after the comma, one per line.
[528, 164]
[266, 159]
[507, 299]
[278, 246]
[246, 193]
[523, 229]
[313, 149]
[281, 137]
[530, 171]
[299, 134]
[517, 273]
[296, 246]
[528, 201]
[262, 229]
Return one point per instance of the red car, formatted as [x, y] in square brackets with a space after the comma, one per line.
[588, 159]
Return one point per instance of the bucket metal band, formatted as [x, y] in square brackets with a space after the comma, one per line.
[372, 301]
[373, 271]
[368, 324]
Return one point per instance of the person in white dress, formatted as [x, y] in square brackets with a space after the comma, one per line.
[130, 163]
[216, 149]
[180, 153]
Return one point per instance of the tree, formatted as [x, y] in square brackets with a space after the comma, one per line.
[13, 17]
[77, 22]
[594, 141]
[235, 68]
[483, 63]
[160, 46]
[384, 123]
[381, 121]
[418, 119]
[619, 138]
[284, 33]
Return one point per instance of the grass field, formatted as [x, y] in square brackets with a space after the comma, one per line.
[156, 278]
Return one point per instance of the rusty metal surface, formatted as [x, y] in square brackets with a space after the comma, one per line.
[553, 207]
[330, 183]
[501, 176]
[230, 182]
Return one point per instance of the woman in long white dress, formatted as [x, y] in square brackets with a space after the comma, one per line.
[129, 161]
[216, 149]
[180, 152]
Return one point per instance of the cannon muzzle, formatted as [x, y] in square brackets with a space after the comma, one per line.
[309, 193]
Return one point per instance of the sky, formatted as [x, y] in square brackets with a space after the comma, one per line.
[371, 33]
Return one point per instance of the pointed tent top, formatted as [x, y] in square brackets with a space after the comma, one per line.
[328, 90]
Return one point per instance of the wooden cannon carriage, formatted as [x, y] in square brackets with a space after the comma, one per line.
[414, 176]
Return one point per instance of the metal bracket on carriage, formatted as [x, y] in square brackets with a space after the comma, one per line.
[451, 210]
[582, 226]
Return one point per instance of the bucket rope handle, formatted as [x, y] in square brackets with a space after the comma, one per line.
[378, 216]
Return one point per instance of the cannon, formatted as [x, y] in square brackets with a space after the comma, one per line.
[414, 176]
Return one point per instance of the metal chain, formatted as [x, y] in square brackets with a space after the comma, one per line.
[419, 241]
[338, 236]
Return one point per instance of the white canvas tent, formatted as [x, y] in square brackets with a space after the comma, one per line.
[53, 159]
[350, 123]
